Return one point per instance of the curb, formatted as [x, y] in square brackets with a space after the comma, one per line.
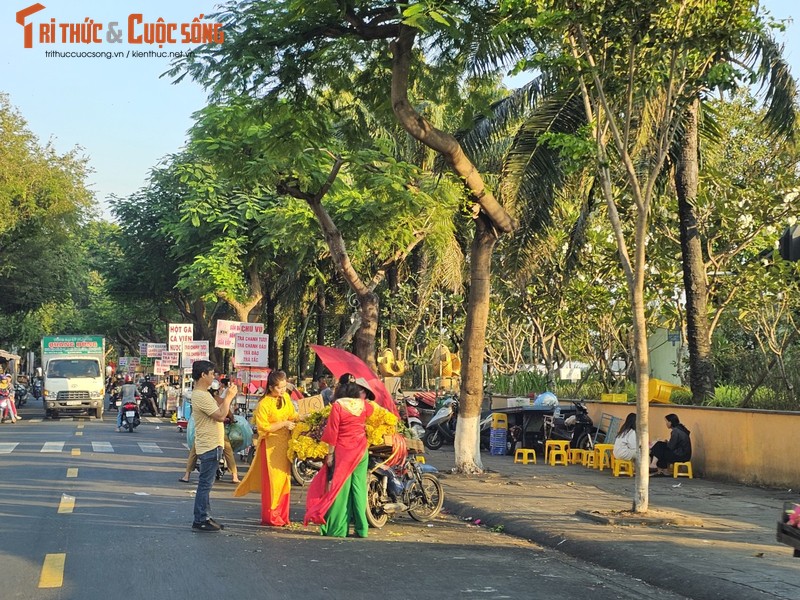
[686, 583]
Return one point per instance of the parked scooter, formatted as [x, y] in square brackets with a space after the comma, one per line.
[577, 428]
[130, 416]
[441, 428]
[408, 409]
[404, 488]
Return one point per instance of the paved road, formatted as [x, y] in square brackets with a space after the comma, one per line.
[108, 507]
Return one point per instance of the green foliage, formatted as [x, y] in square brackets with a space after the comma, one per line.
[517, 384]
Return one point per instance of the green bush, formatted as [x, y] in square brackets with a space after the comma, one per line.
[728, 396]
[683, 397]
[518, 384]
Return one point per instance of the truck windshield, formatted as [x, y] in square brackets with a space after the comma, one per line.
[73, 368]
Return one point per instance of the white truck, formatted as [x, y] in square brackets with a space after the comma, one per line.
[74, 374]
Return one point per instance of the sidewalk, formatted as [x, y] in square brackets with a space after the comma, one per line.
[730, 553]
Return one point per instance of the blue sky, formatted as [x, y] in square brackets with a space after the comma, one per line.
[119, 111]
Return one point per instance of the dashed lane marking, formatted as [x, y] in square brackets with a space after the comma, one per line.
[72, 472]
[52, 575]
[76, 452]
[67, 504]
[53, 447]
[8, 447]
[102, 447]
[34, 421]
[78, 433]
[150, 448]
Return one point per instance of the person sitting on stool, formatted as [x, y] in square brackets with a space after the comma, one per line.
[677, 449]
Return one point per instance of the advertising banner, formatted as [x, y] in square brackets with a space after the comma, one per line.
[178, 334]
[252, 350]
[227, 331]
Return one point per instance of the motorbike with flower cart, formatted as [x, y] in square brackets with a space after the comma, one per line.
[396, 481]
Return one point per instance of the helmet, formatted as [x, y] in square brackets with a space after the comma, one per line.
[147, 377]
[128, 379]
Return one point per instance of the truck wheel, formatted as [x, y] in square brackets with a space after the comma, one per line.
[98, 413]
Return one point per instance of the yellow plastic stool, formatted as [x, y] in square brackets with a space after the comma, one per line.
[576, 456]
[525, 455]
[420, 459]
[622, 467]
[499, 421]
[589, 459]
[603, 454]
[558, 457]
[562, 445]
[682, 469]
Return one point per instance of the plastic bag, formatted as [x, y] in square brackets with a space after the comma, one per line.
[239, 433]
[190, 432]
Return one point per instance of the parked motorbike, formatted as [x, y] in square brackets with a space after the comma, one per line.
[409, 411]
[577, 428]
[303, 471]
[20, 394]
[130, 416]
[404, 488]
[441, 428]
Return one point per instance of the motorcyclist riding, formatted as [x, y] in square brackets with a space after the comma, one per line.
[149, 395]
[127, 394]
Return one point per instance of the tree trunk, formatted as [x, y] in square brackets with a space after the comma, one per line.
[364, 343]
[286, 351]
[393, 282]
[269, 314]
[302, 347]
[467, 448]
[319, 368]
[701, 367]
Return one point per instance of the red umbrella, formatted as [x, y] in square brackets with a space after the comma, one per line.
[341, 361]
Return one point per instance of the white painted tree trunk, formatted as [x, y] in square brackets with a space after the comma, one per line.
[467, 445]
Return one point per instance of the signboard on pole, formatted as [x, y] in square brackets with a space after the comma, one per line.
[142, 348]
[178, 334]
[155, 350]
[193, 351]
[228, 330]
[170, 358]
[159, 368]
[252, 350]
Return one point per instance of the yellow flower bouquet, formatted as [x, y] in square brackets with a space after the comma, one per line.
[306, 436]
[380, 424]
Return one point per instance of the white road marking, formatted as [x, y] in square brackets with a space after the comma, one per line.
[53, 447]
[102, 447]
[8, 447]
[150, 448]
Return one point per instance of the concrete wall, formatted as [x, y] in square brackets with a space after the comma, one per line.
[755, 447]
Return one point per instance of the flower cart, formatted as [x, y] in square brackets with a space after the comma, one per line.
[789, 527]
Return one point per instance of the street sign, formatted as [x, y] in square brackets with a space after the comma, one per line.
[227, 331]
[193, 351]
[178, 334]
[252, 350]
